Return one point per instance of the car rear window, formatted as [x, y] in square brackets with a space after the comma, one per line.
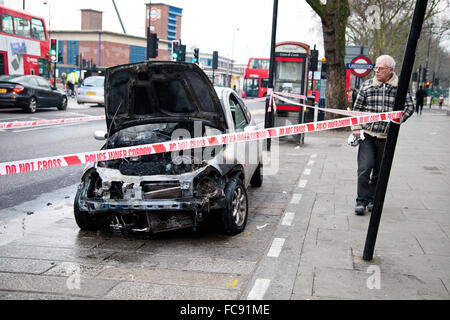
[94, 82]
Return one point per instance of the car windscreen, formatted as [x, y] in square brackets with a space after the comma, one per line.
[94, 82]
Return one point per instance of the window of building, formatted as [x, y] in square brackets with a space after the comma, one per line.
[137, 54]
[7, 24]
[38, 29]
[22, 27]
[72, 52]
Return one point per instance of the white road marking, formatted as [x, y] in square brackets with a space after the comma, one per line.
[302, 183]
[275, 249]
[296, 197]
[313, 156]
[259, 289]
[307, 172]
[288, 218]
[311, 162]
[59, 125]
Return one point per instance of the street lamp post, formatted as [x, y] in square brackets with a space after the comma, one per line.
[232, 54]
[428, 54]
[48, 4]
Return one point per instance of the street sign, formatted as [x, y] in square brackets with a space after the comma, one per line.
[360, 66]
[155, 14]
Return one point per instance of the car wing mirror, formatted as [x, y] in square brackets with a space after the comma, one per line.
[100, 135]
[250, 128]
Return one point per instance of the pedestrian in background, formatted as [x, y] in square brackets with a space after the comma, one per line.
[420, 95]
[375, 95]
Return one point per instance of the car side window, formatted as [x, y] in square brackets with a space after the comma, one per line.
[33, 82]
[42, 83]
[245, 109]
[239, 119]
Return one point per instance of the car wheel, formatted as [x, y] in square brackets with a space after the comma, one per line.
[257, 178]
[235, 214]
[84, 219]
[32, 105]
[63, 105]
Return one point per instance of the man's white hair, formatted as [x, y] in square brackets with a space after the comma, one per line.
[388, 60]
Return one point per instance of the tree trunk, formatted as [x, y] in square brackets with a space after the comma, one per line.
[334, 25]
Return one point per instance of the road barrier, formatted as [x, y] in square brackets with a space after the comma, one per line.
[13, 167]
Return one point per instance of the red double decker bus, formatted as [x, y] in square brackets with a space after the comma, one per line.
[24, 43]
[256, 78]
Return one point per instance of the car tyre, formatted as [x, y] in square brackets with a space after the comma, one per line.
[31, 108]
[63, 105]
[235, 214]
[84, 219]
[257, 178]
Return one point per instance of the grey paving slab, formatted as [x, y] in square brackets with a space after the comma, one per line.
[55, 285]
[175, 277]
[25, 265]
[148, 291]
[350, 284]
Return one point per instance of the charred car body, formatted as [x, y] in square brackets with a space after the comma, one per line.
[154, 102]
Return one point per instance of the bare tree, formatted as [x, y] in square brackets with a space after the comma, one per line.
[333, 15]
[383, 25]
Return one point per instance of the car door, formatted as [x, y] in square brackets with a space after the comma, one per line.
[46, 93]
[35, 90]
[246, 152]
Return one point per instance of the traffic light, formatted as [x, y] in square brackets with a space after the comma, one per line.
[427, 84]
[53, 50]
[314, 57]
[196, 56]
[424, 75]
[175, 49]
[323, 70]
[152, 46]
[182, 53]
[60, 52]
[318, 83]
[215, 62]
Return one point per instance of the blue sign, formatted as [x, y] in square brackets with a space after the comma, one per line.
[359, 66]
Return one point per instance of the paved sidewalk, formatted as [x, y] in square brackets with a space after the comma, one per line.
[412, 253]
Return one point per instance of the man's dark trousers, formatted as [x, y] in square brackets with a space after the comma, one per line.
[370, 154]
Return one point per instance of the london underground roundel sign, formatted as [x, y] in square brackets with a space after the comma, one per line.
[360, 66]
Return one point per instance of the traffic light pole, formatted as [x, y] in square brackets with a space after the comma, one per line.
[394, 128]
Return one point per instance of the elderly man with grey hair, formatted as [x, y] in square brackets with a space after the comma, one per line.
[376, 95]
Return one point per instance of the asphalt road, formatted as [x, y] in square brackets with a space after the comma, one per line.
[31, 143]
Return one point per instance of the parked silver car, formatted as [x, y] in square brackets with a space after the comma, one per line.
[92, 90]
[152, 102]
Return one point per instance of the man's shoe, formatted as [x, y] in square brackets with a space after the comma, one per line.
[359, 210]
[370, 207]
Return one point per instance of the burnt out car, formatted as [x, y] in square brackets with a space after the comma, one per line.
[152, 102]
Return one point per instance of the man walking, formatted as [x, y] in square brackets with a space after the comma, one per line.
[420, 95]
[376, 95]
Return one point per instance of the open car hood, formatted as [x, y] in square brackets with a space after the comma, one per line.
[155, 91]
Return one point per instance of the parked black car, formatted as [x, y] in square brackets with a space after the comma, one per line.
[30, 92]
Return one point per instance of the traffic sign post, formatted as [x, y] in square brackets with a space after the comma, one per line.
[360, 66]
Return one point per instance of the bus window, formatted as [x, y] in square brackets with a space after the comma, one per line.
[2, 64]
[265, 64]
[264, 83]
[43, 68]
[7, 24]
[251, 86]
[22, 27]
[254, 64]
[38, 29]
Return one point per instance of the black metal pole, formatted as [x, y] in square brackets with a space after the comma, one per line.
[394, 128]
[268, 121]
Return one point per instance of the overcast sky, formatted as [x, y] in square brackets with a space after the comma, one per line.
[209, 24]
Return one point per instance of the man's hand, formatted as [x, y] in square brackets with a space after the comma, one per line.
[357, 133]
